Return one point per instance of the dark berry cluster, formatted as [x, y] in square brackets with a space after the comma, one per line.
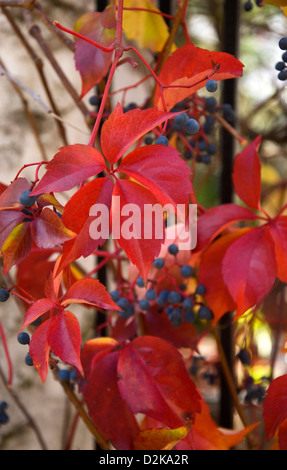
[179, 306]
[281, 65]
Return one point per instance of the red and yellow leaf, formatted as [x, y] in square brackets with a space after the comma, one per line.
[48, 230]
[160, 439]
[16, 246]
[275, 406]
[39, 349]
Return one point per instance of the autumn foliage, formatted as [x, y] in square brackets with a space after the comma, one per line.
[143, 365]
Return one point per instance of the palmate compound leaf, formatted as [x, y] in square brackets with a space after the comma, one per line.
[159, 177]
[191, 67]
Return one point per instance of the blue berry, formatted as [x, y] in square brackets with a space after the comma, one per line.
[140, 282]
[186, 271]
[284, 57]
[115, 295]
[174, 297]
[173, 249]
[148, 140]
[23, 338]
[176, 317]
[210, 104]
[187, 304]
[94, 100]
[162, 298]
[206, 158]
[4, 295]
[282, 75]
[181, 119]
[28, 360]
[204, 313]
[158, 263]
[127, 312]
[192, 126]
[150, 294]
[280, 65]
[211, 86]
[26, 200]
[162, 140]
[144, 304]
[228, 112]
[248, 5]
[4, 418]
[123, 303]
[200, 289]
[189, 316]
[63, 375]
[244, 356]
[283, 44]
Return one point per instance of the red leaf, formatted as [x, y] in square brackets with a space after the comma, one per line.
[93, 63]
[140, 249]
[37, 309]
[39, 349]
[247, 174]
[33, 281]
[275, 405]
[64, 338]
[278, 231]
[106, 407]
[98, 191]
[249, 268]
[17, 246]
[121, 130]
[72, 165]
[210, 275]
[217, 219]
[154, 369]
[191, 66]
[11, 195]
[89, 291]
[282, 435]
[163, 172]
[49, 231]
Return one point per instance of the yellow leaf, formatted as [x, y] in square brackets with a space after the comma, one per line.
[148, 29]
[276, 3]
[160, 439]
[269, 174]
